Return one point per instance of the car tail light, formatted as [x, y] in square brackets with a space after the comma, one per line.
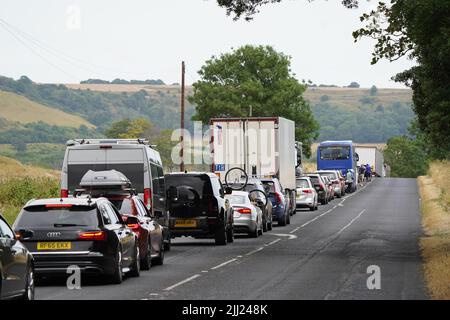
[64, 193]
[244, 210]
[278, 197]
[307, 190]
[92, 236]
[148, 198]
[133, 226]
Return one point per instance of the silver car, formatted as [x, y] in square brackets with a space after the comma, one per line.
[307, 196]
[334, 176]
[247, 215]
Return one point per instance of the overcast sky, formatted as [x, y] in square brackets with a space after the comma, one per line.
[63, 41]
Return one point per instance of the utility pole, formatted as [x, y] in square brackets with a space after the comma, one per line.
[182, 118]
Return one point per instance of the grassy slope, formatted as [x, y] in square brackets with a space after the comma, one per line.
[435, 245]
[16, 108]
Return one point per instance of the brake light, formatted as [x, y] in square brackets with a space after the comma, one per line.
[64, 193]
[92, 236]
[59, 205]
[307, 191]
[148, 198]
[133, 226]
[278, 197]
[244, 210]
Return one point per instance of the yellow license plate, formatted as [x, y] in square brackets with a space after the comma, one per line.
[185, 223]
[54, 245]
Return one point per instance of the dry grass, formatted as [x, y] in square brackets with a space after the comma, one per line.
[10, 169]
[17, 108]
[435, 196]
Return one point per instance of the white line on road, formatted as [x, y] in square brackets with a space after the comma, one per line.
[273, 242]
[195, 276]
[350, 223]
[295, 230]
[254, 251]
[223, 264]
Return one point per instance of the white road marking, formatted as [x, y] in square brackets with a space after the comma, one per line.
[204, 271]
[195, 276]
[295, 230]
[273, 242]
[254, 251]
[350, 223]
[290, 236]
[223, 264]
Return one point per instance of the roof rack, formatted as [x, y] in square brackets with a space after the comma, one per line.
[108, 141]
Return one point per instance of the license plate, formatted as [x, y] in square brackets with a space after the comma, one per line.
[54, 245]
[185, 223]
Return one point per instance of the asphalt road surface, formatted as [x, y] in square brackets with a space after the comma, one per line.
[324, 254]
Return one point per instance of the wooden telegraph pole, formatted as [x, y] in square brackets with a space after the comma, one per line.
[182, 117]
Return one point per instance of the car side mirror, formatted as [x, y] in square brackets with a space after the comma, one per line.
[132, 220]
[228, 190]
[24, 234]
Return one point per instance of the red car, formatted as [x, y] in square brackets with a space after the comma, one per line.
[150, 233]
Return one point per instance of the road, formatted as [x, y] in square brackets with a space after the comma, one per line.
[322, 255]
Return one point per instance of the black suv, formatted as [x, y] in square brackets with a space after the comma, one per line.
[198, 208]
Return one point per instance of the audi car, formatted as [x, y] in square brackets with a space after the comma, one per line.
[85, 232]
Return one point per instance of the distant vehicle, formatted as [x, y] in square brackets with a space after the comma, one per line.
[16, 264]
[335, 178]
[307, 196]
[267, 208]
[88, 233]
[339, 155]
[280, 204]
[135, 158]
[321, 187]
[247, 215]
[372, 156]
[198, 207]
[329, 184]
[263, 147]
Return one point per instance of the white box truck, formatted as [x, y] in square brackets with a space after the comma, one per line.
[262, 147]
[373, 156]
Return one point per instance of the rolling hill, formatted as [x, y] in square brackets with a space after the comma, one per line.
[16, 108]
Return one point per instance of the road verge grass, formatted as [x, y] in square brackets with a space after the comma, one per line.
[435, 245]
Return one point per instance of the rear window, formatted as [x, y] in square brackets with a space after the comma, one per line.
[270, 186]
[201, 184]
[314, 180]
[36, 217]
[235, 199]
[125, 206]
[330, 175]
[302, 183]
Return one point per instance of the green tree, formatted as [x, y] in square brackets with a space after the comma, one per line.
[419, 29]
[256, 81]
[164, 145]
[406, 157]
[353, 85]
[130, 129]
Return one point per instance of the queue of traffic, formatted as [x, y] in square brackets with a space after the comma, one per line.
[118, 212]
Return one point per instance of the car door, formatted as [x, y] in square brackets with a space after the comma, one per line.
[13, 258]
[155, 228]
[126, 236]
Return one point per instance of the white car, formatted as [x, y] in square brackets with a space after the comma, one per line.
[247, 216]
[307, 196]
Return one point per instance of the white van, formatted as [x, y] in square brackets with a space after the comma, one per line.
[135, 158]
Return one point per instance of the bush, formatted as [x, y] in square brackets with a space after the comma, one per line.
[18, 191]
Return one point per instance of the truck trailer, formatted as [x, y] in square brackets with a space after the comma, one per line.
[373, 156]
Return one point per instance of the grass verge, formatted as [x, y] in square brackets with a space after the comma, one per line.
[435, 245]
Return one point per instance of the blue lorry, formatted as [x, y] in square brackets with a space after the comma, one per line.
[339, 155]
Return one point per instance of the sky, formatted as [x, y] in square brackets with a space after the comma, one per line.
[59, 41]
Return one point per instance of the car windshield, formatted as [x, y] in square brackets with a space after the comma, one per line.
[330, 175]
[335, 153]
[36, 217]
[302, 183]
[236, 199]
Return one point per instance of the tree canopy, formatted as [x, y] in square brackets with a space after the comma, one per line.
[253, 81]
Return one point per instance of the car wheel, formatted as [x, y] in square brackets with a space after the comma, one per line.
[29, 288]
[146, 262]
[288, 219]
[117, 276]
[312, 208]
[167, 244]
[230, 235]
[221, 236]
[265, 225]
[260, 231]
[282, 221]
[159, 261]
[135, 268]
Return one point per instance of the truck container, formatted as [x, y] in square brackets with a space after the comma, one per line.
[373, 156]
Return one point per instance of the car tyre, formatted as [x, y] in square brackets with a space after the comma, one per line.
[135, 268]
[117, 276]
[282, 221]
[221, 236]
[230, 234]
[30, 286]
[146, 262]
[159, 261]
[167, 244]
[288, 219]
